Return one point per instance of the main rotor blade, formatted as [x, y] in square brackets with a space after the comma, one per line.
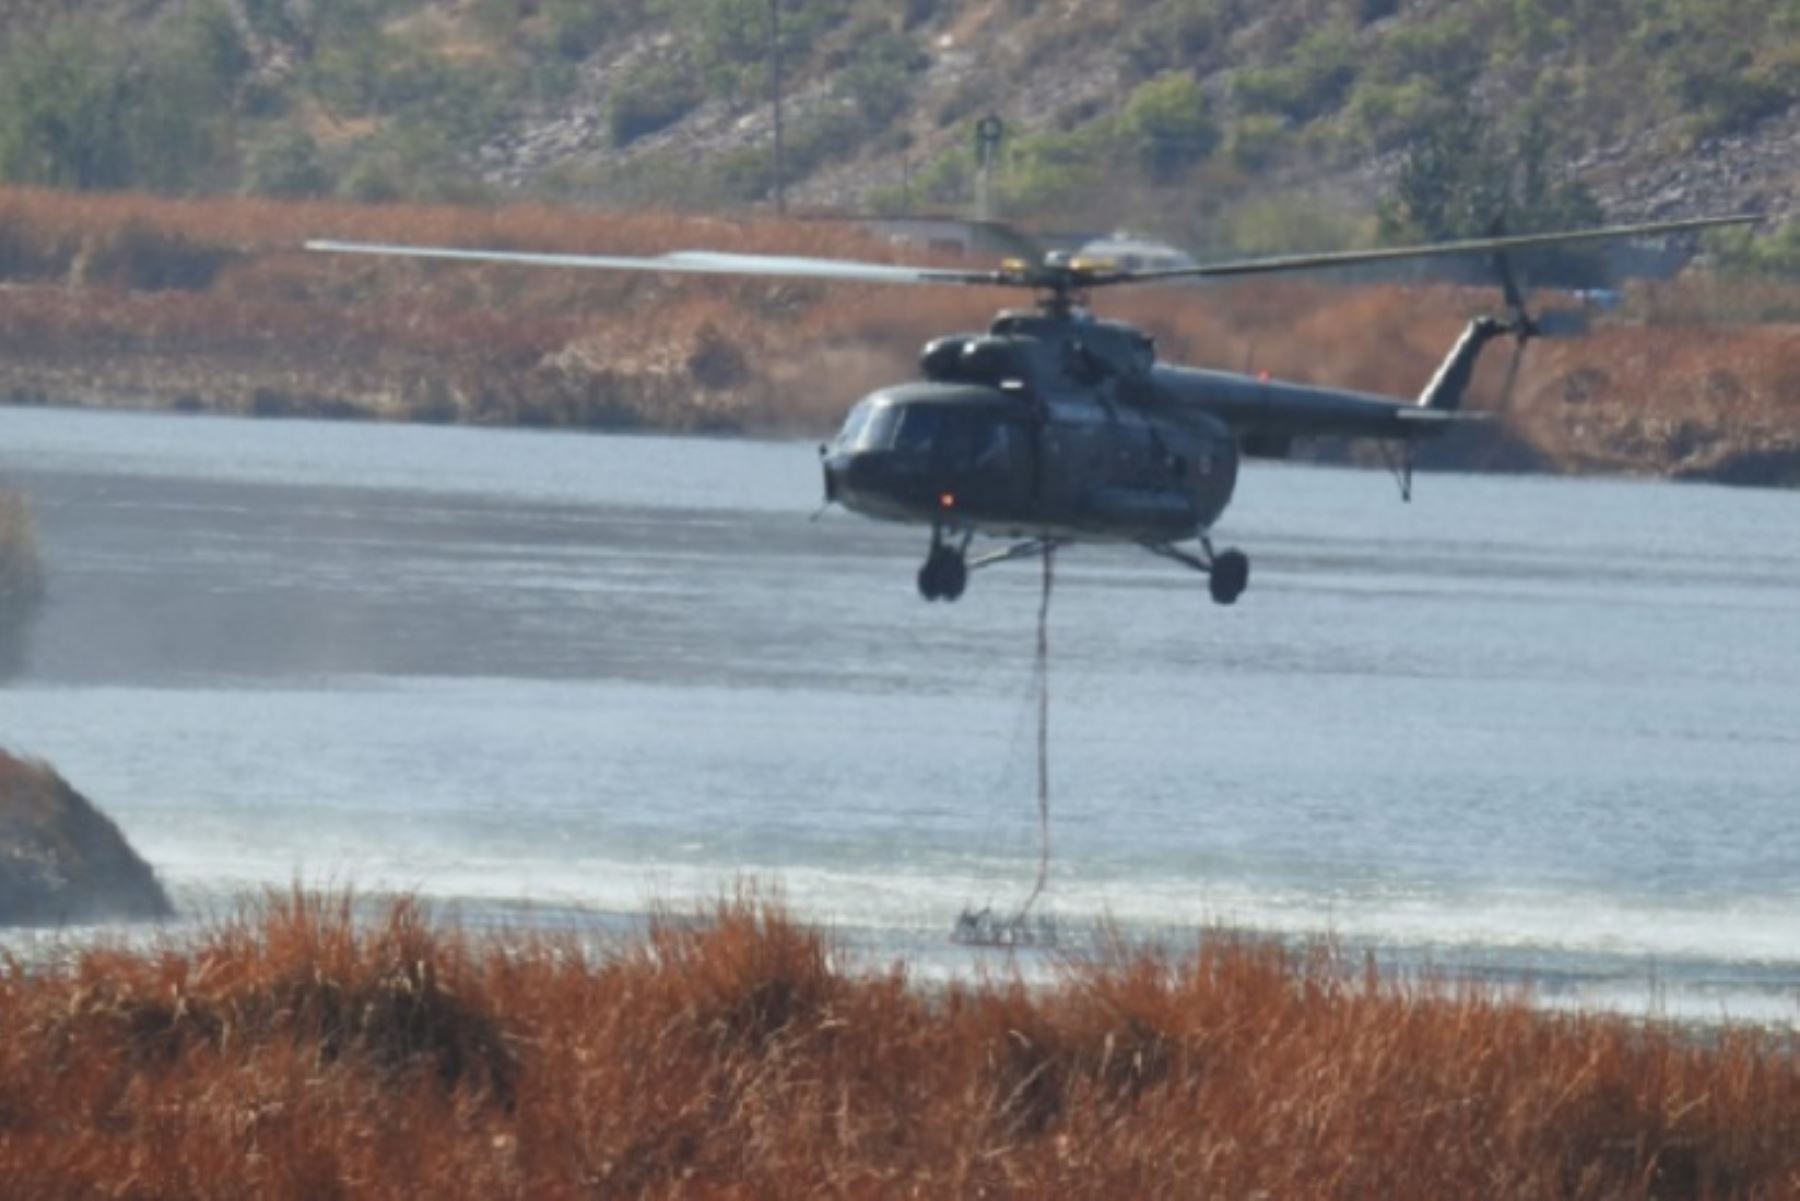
[1351, 258]
[685, 262]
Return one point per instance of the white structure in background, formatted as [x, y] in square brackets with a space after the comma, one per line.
[1132, 252]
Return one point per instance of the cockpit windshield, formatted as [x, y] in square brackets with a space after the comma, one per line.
[958, 436]
[870, 426]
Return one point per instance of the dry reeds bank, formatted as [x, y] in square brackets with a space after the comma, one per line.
[211, 304]
[296, 1054]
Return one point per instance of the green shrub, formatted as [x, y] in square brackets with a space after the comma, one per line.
[878, 78]
[408, 162]
[577, 28]
[1048, 170]
[1741, 251]
[1463, 178]
[1386, 115]
[62, 110]
[285, 162]
[1735, 98]
[653, 95]
[1315, 81]
[1183, 33]
[1444, 51]
[79, 109]
[1168, 125]
[1258, 140]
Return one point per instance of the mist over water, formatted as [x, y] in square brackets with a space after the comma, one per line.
[1527, 728]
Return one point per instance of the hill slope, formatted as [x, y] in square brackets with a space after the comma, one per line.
[1219, 122]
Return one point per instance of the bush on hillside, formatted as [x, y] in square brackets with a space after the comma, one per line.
[86, 110]
[1168, 125]
[1462, 178]
[653, 95]
[1313, 81]
[285, 161]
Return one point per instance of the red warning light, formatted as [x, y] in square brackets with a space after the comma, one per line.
[948, 500]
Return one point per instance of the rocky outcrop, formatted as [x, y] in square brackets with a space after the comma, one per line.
[61, 859]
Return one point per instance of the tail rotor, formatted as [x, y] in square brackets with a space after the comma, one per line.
[1523, 326]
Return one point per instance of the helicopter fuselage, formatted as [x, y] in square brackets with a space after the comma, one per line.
[977, 458]
[1046, 428]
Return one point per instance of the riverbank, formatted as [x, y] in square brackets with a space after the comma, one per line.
[294, 1051]
[210, 305]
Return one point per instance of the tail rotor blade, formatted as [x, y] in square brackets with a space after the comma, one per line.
[1509, 287]
[1512, 375]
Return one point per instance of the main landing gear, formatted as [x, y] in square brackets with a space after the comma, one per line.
[946, 570]
[1227, 571]
[947, 566]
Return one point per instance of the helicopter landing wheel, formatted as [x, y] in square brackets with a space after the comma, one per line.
[944, 575]
[1229, 577]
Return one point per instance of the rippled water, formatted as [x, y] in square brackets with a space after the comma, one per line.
[1540, 728]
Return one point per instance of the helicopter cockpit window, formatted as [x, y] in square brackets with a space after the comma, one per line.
[854, 425]
[870, 426]
[921, 427]
[955, 437]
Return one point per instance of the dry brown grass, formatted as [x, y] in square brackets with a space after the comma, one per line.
[211, 304]
[296, 1053]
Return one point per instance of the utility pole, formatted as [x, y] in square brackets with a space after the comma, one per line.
[989, 131]
[775, 100]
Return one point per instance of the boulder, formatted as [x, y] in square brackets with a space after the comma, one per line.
[61, 859]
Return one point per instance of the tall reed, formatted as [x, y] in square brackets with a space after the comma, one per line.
[299, 1052]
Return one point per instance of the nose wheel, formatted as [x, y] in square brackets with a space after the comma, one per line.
[946, 570]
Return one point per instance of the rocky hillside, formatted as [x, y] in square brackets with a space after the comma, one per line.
[61, 859]
[1229, 124]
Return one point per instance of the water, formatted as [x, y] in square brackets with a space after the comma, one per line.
[1528, 728]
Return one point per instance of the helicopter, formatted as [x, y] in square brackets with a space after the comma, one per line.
[1055, 426]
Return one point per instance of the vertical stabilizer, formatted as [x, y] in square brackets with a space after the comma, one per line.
[1445, 391]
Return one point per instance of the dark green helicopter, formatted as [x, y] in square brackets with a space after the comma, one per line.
[1055, 427]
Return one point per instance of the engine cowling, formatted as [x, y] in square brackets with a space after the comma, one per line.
[942, 357]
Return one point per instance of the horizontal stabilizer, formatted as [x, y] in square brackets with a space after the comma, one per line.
[1424, 415]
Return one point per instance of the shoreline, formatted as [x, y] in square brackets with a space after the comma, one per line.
[1682, 990]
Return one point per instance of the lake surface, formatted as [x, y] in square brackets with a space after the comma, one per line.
[1538, 729]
